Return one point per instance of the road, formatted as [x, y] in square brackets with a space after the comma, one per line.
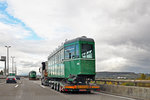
[32, 90]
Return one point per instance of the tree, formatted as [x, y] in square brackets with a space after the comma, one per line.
[143, 76]
[1, 72]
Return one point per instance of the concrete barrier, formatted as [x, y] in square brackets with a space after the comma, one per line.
[129, 91]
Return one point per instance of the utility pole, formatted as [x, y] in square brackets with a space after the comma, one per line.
[8, 58]
[12, 63]
[15, 68]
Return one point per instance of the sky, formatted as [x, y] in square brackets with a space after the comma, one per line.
[34, 28]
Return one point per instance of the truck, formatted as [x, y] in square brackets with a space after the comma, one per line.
[12, 74]
[71, 67]
[32, 75]
[44, 73]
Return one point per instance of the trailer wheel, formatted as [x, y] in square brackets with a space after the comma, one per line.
[55, 86]
[58, 87]
[41, 82]
[52, 86]
[88, 92]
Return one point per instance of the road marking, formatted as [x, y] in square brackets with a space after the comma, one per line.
[16, 86]
[42, 86]
[116, 96]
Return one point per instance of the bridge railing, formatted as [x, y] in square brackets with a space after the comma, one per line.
[120, 82]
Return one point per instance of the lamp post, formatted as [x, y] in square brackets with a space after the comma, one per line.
[15, 68]
[12, 63]
[8, 58]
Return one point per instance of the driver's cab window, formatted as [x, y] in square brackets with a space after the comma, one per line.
[87, 51]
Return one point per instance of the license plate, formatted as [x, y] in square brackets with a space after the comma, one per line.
[10, 79]
[82, 86]
[82, 90]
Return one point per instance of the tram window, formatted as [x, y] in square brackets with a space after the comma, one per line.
[69, 55]
[87, 51]
[77, 51]
[62, 54]
[70, 52]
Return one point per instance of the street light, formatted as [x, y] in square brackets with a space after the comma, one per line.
[8, 58]
[15, 68]
[12, 63]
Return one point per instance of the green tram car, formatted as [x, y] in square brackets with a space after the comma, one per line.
[32, 75]
[73, 61]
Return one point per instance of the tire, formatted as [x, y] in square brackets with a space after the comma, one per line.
[58, 87]
[41, 83]
[52, 86]
[55, 86]
[88, 92]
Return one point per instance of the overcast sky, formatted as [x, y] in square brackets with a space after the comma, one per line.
[120, 28]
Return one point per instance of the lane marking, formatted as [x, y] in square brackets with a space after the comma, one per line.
[116, 96]
[42, 86]
[16, 86]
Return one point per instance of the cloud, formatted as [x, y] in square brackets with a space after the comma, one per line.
[120, 29]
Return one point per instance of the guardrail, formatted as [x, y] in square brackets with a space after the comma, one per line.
[119, 82]
[139, 88]
[2, 77]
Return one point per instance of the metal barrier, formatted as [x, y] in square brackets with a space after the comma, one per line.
[113, 81]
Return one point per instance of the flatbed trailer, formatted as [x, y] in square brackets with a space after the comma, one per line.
[70, 87]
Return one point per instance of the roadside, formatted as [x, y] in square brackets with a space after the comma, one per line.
[2, 81]
[138, 93]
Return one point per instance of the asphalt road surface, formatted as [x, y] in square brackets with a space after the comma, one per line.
[32, 90]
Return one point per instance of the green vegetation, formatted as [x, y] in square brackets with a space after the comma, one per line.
[128, 84]
[1, 72]
[142, 77]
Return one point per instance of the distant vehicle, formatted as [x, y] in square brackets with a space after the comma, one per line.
[11, 79]
[44, 74]
[17, 77]
[12, 74]
[32, 75]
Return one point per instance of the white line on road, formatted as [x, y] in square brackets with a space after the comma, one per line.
[117, 96]
[42, 86]
[16, 86]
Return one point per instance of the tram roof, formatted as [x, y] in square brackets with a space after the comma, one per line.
[32, 71]
[83, 38]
